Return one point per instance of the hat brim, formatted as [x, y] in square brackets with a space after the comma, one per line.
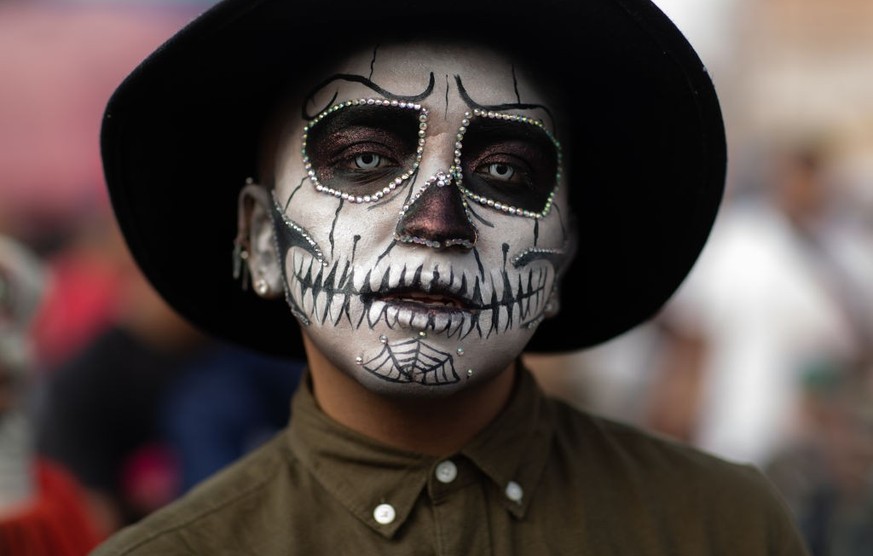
[647, 150]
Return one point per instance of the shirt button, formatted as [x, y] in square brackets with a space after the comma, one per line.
[384, 514]
[446, 471]
[514, 491]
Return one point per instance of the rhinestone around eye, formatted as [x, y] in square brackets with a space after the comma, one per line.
[508, 209]
[390, 186]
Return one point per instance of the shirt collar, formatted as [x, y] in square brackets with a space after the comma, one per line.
[361, 473]
[514, 448]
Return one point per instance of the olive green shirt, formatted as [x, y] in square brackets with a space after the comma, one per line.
[541, 479]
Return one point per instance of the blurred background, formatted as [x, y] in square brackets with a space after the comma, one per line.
[764, 356]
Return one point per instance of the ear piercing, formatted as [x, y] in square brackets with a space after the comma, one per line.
[240, 266]
[241, 272]
[262, 287]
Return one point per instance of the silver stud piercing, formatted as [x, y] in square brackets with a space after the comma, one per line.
[262, 287]
[469, 373]
[240, 268]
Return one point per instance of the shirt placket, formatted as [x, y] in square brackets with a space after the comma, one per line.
[456, 490]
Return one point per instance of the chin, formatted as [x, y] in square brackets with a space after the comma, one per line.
[410, 363]
[407, 390]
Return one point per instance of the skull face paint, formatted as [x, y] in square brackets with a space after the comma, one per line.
[421, 216]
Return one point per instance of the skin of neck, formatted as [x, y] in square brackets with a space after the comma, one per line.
[435, 427]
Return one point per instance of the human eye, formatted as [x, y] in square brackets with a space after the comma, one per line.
[367, 157]
[505, 169]
[368, 161]
[501, 171]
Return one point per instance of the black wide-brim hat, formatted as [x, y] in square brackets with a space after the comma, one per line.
[646, 153]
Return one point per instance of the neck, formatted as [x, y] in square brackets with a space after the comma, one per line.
[438, 427]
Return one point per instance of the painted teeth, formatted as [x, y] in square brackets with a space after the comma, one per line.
[332, 295]
[456, 327]
[374, 313]
[391, 314]
[335, 309]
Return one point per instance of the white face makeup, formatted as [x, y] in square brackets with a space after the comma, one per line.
[421, 216]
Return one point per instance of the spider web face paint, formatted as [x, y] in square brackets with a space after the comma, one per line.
[412, 360]
[423, 246]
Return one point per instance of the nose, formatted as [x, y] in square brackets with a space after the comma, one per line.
[437, 216]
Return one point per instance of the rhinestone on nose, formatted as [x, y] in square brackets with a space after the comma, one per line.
[437, 216]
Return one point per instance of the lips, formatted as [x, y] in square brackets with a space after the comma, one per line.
[438, 299]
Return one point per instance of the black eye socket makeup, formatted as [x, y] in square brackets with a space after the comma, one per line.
[509, 161]
[361, 150]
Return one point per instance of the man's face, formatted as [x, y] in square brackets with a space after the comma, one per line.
[421, 216]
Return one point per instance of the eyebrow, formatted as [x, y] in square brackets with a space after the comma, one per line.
[396, 121]
[367, 82]
[492, 129]
[472, 104]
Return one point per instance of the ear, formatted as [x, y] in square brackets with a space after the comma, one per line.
[553, 303]
[256, 236]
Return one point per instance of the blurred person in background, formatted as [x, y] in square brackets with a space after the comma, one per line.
[85, 261]
[139, 439]
[100, 408]
[225, 404]
[783, 284]
[826, 473]
[43, 510]
[57, 73]
[149, 406]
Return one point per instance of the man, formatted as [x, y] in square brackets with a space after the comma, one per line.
[410, 203]
[43, 510]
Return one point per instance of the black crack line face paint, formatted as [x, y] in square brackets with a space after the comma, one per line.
[397, 294]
